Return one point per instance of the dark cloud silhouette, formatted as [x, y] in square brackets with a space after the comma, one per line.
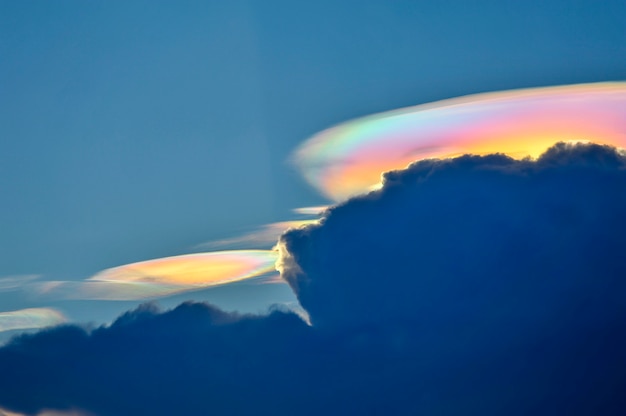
[194, 359]
[474, 286]
[450, 238]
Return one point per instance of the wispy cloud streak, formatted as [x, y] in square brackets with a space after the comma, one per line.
[16, 282]
[31, 318]
[264, 236]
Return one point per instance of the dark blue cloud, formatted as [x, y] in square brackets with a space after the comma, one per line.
[450, 238]
[194, 359]
[474, 286]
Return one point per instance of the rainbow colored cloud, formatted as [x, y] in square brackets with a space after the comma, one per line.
[32, 318]
[166, 276]
[348, 159]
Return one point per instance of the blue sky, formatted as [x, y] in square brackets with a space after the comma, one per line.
[132, 130]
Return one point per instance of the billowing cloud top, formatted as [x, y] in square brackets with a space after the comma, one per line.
[348, 159]
[445, 238]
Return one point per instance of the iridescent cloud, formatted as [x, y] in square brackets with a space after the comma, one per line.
[314, 211]
[102, 290]
[166, 276]
[30, 319]
[15, 282]
[349, 158]
[199, 269]
[261, 237]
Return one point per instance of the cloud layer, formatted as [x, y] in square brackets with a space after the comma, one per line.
[474, 286]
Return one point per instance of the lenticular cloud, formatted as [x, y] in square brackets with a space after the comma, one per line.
[166, 276]
[204, 269]
[348, 159]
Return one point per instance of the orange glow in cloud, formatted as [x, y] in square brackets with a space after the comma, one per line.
[165, 276]
[200, 269]
[349, 158]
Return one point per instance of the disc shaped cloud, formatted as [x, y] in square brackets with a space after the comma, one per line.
[348, 159]
[164, 276]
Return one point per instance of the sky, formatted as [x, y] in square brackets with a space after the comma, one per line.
[140, 130]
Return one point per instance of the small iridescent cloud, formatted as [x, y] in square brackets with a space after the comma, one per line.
[32, 318]
[166, 276]
[314, 211]
[348, 159]
[264, 236]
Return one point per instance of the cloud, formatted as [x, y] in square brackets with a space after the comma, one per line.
[315, 210]
[199, 269]
[163, 277]
[261, 237]
[475, 286]
[30, 318]
[194, 359]
[54, 290]
[15, 282]
[48, 413]
[347, 159]
[458, 232]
